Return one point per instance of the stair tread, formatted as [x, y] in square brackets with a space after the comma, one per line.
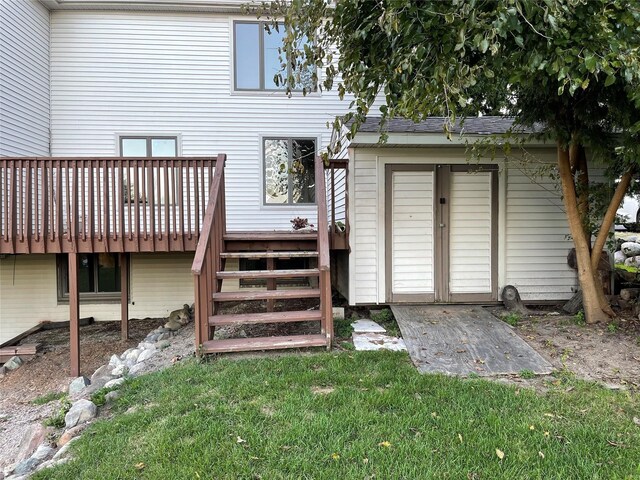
[279, 254]
[266, 317]
[266, 295]
[271, 236]
[263, 343]
[307, 272]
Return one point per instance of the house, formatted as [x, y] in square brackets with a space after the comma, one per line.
[115, 201]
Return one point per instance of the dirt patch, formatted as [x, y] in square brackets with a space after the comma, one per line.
[603, 353]
[322, 390]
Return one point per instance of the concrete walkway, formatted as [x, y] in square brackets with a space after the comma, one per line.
[463, 340]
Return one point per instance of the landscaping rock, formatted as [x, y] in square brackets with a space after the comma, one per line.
[116, 382]
[111, 396]
[13, 363]
[81, 411]
[164, 336]
[63, 451]
[146, 345]
[174, 325]
[42, 453]
[152, 338]
[136, 369]
[162, 344]
[78, 384]
[632, 261]
[33, 436]
[630, 249]
[70, 434]
[145, 355]
[119, 371]
[619, 257]
[115, 361]
[3, 371]
[132, 356]
[102, 373]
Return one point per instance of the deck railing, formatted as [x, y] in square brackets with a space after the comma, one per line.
[337, 198]
[207, 260]
[324, 263]
[53, 205]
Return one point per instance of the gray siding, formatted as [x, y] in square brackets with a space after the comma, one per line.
[24, 78]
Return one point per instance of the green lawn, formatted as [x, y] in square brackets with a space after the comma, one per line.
[354, 415]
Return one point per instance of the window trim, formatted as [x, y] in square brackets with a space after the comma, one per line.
[261, 79]
[289, 160]
[149, 139]
[62, 269]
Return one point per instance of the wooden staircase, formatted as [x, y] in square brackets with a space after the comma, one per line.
[218, 248]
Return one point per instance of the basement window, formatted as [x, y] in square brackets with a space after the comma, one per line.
[98, 277]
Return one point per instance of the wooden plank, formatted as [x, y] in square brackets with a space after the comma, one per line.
[308, 272]
[266, 295]
[17, 338]
[287, 235]
[124, 297]
[25, 349]
[256, 255]
[464, 340]
[263, 343]
[74, 315]
[269, 317]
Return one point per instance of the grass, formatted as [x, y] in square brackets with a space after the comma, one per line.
[386, 319]
[353, 416]
[511, 318]
[48, 397]
[57, 419]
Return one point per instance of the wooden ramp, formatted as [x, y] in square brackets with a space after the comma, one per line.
[463, 340]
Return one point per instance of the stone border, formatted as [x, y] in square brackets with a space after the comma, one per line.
[83, 411]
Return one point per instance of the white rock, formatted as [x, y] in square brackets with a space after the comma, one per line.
[78, 384]
[42, 453]
[146, 345]
[116, 382]
[146, 355]
[115, 361]
[111, 396]
[619, 257]
[133, 354]
[102, 375]
[630, 249]
[81, 411]
[364, 325]
[378, 341]
[60, 453]
[118, 371]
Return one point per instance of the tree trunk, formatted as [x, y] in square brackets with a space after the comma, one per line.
[592, 310]
[580, 173]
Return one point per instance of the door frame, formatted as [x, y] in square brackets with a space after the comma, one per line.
[441, 240]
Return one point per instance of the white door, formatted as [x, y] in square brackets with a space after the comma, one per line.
[411, 235]
[470, 234]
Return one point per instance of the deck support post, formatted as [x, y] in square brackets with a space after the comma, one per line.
[74, 315]
[124, 297]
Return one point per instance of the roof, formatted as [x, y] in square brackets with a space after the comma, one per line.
[488, 125]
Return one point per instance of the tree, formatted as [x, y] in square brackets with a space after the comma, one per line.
[569, 67]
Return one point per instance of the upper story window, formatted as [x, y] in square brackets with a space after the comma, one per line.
[257, 60]
[289, 174]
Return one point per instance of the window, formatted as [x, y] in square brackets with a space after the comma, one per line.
[148, 147]
[257, 60]
[98, 276]
[289, 174]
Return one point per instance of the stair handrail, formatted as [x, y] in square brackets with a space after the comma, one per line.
[206, 261]
[324, 261]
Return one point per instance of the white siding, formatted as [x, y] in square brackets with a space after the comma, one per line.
[24, 78]
[159, 283]
[116, 73]
[470, 233]
[537, 240]
[412, 232]
[363, 262]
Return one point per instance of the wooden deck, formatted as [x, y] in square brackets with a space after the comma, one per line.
[464, 340]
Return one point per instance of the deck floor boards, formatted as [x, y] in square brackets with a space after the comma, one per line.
[463, 340]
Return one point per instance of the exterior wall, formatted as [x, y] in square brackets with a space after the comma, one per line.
[24, 78]
[532, 229]
[116, 73]
[159, 283]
